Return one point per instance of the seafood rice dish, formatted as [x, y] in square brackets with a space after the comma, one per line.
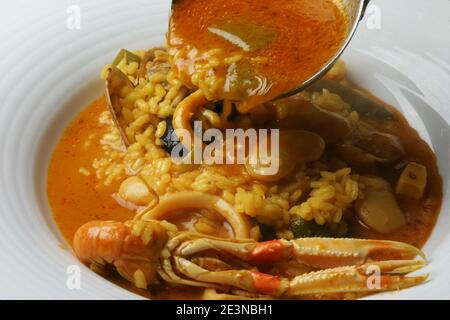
[355, 187]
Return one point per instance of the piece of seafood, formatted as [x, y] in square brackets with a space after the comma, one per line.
[143, 251]
[153, 62]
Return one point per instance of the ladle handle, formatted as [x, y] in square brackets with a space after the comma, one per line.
[366, 2]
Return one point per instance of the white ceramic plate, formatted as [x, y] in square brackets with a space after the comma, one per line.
[49, 73]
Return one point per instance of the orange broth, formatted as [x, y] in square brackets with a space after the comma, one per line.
[76, 199]
[303, 35]
[295, 38]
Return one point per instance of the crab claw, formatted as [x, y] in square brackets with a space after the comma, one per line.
[364, 279]
[319, 253]
[343, 266]
[328, 253]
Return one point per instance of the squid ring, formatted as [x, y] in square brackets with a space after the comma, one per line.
[196, 200]
[186, 109]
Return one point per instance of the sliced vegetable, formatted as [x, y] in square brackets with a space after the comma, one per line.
[308, 229]
[384, 146]
[219, 109]
[247, 36]
[363, 105]
[412, 181]
[379, 209]
[303, 115]
[168, 143]
[307, 146]
[368, 147]
[128, 56]
[243, 80]
[267, 232]
[359, 157]
[302, 228]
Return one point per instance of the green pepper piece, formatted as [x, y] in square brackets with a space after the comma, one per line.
[129, 57]
[247, 36]
[308, 229]
[302, 228]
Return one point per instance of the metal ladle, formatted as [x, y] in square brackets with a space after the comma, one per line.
[355, 10]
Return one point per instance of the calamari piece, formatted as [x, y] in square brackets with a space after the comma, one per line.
[186, 109]
[198, 200]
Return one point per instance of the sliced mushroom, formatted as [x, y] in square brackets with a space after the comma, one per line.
[303, 115]
[379, 209]
[115, 81]
[368, 147]
[384, 146]
[295, 147]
